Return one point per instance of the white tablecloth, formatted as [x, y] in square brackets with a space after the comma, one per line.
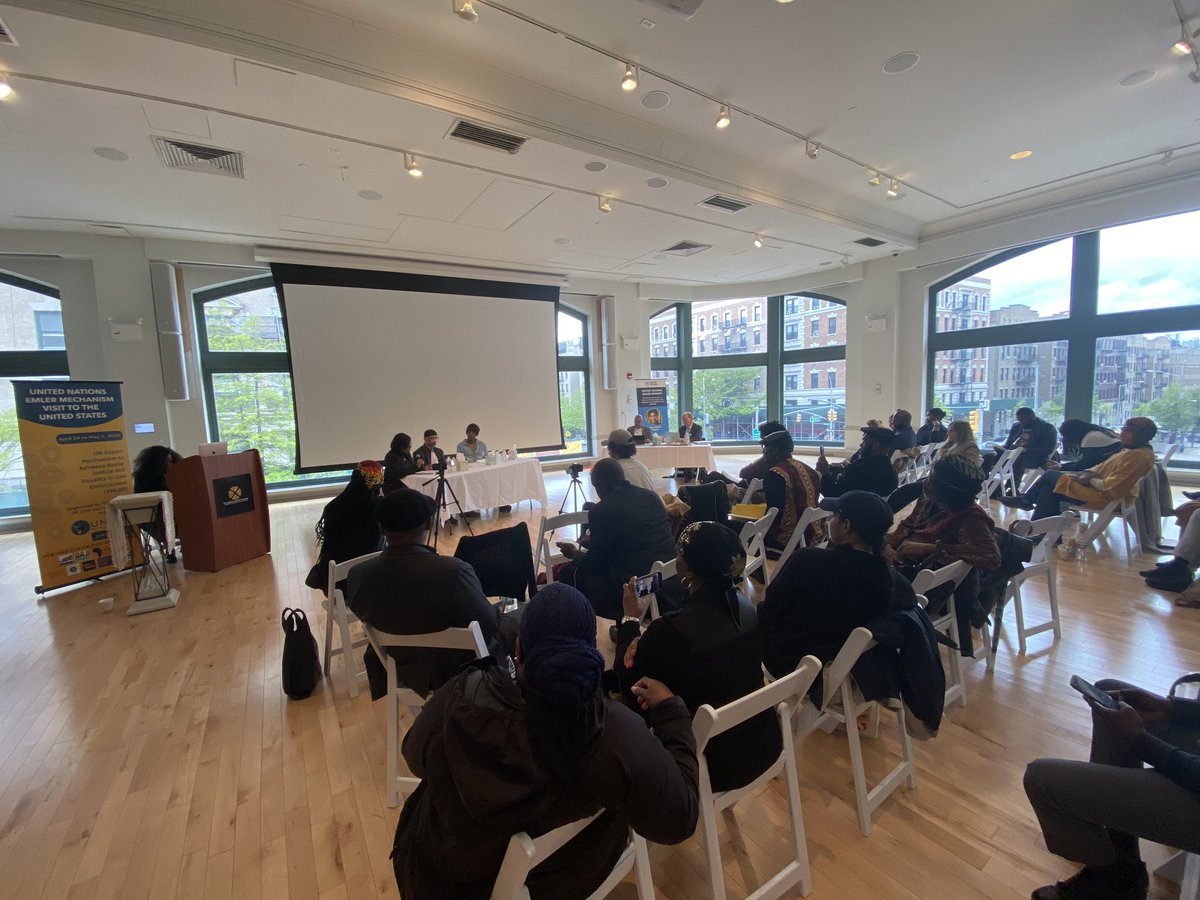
[677, 456]
[116, 523]
[483, 486]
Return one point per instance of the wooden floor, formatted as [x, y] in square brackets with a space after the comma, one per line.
[157, 757]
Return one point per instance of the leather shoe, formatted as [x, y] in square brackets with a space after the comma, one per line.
[1017, 502]
[1192, 495]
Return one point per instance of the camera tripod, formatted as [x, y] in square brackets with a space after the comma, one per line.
[575, 493]
[441, 508]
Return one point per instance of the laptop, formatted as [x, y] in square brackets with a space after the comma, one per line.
[217, 448]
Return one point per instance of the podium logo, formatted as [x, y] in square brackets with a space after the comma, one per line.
[235, 492]
[233, 495]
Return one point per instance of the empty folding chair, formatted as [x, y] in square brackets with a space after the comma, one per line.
[338, 615]
[953, 574]
[1171, 451]
[502, 560]
[468, 638]
[524, 854]
[1043, 562]
[546, 555]
[1001, 477]
[784, 696]
[839, 685]
[808, 517]
[754, 536]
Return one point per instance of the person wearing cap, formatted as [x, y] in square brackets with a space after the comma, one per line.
[504, 749]
[629, 532]
[757, 469]
[869, 470]
[709, 651]
[622, 448]
[790, 487]
[429, 455]
[820, 595]
[348, 527]
[409, 589]
[933, 431]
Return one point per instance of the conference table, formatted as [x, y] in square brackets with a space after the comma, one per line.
[481, 486]
[677, 456]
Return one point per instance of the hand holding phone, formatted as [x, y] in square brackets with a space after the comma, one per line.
[649, 584]
[1093, 693]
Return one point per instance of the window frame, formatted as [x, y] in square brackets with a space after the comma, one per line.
[581, 364]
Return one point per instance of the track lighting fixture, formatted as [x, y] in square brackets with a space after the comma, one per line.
[411, 165]
[894, 189]
[6, 90]
[723, 117]
[1183, 46]
[811, 150]
[845, 260]
[875, 180]
[630, 81]
[605, 205]
[758, 241]
[465, 9]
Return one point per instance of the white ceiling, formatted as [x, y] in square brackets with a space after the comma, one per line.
[323, 98]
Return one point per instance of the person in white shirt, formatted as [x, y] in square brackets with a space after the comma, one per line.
[640, 432]
[621, 448]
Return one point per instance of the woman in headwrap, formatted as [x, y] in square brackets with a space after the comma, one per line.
[709, 651]
[501, 749]
[398, 463]
[348, 527]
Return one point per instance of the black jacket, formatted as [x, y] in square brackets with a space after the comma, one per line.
[1042, 439]
[695, 433]
[351, 530]
[397, 467]
[481, 783]
[871, 473]
[703, 656]
[431, 458]
[409, 589]
[905, 438]
[931, 434]
[906, 664]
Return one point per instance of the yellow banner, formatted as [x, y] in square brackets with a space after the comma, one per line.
[73, 443]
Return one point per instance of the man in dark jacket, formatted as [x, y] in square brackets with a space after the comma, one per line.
[501, 751]
[629, 531]
[904, 437]
[409, 589]
[933, 431]
[870, 470]
[1037, 440]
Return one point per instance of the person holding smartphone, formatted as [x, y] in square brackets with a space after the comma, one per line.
[1094, 812]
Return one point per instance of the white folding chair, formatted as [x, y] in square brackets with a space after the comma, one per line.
[524, 854]
[839, 684]
[797, 540]
[1099, 521]
[920, 466]
[785, 696]
[545, 555]
[953, 574]
[1030, 476]
[1171, 451]
[339, 615]
[904, 466]
[1001, 476]
[468, 638]
[754, 539]
[668, 569]
[755, 485]
[1043, 562]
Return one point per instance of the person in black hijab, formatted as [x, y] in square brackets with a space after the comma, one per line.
[398, 463]
[348, 527]
[709, 651]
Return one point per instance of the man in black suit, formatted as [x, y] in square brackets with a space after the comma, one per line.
[409, 589]
[629, 531]
[1037, 440]
[869, 470]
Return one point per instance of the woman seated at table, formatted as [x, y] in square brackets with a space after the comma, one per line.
[398, 463]
[710, 651]
[348, 527]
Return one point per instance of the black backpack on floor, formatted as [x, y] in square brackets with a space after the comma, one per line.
[301, 663]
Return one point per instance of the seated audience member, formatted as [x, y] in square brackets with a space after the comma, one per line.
[629, 532]
[757, 469]
[1094, 812]
[409, 589]
[691, 431]
[1036, 438]
[398, 463]
[946, 526]
[1087, 444]
[475, 450]
[905, 438]
[150, 474]
[348, 527]
[960, 441]
[1177, 573]
[1115, 478]
[500, 751]
[709, 651]
[639, 432]
[821, 595]
[933, 431]
[790, 486]
[621, 448]
[870, 469]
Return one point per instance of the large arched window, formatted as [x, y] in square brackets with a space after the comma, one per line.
[574, 384]
[32, 345]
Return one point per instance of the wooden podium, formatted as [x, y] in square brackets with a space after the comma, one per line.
[220, 509]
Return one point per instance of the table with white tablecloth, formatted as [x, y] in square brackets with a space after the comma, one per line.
[484, 487]
[677, 456]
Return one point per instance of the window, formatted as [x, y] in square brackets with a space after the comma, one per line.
[832, 326]
[816, 327]
[831, 379]
[728, 318]
[729, 402]
[789, 383]
[757, 337]
[728, 339]
[815, 380]
[742, 340]
[32, 346]
[791, 332]
[700, 346]
[714, 320]
[789, 306]
[1155, 375]
[742, 316]
[1150, 265]
[574, 385]
[757, 312]
[656, 332]
[700, 321]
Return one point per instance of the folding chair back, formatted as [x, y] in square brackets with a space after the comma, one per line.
[808, 517]
[1042, 562]
[1000, 475]
[503, 561]
[755, 486]
[667, 568]
[754, 536]
[926, 581]
[338, 615]
[546, 555]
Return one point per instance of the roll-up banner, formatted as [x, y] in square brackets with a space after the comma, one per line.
[73, 443]
[652, 404]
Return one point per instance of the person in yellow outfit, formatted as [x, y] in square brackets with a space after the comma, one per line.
[1114, 479]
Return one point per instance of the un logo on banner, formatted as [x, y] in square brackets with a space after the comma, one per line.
[235, 492]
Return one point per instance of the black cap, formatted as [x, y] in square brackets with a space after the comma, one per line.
[868, 513]
[779, 439]
[404, 510]
[885, 436]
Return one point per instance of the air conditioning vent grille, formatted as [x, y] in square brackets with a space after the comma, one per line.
[687, 248]
[724, 204]
[6, 36]
[199, 158]
[474, 133]
[869, 242]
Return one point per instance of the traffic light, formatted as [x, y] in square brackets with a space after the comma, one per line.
[973, 418]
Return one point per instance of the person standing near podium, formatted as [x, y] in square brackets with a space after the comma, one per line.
[150, 474]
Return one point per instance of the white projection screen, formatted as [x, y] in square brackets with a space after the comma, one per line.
[376, 353]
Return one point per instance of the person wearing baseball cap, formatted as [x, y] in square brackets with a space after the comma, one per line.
[820, 595]
[622, 448]
[869, 470]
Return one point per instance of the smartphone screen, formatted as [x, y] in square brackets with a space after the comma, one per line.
[1094, 693]
[649, 584]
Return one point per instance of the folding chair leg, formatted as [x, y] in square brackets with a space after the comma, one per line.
[347, 651]
[712, 850]
[799, 839]
[393, 748]
[906, 751]
[328, 636]
[856, 763]
[641, 868]
[1052, 589]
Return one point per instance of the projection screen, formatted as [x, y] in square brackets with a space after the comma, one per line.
[376, 353]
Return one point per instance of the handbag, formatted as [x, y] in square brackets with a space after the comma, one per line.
[301, 663]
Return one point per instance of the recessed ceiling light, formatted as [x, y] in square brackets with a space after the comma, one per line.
[656, 182]
[901, 62]
[370, 195]
[563, 242]
[723, 119]
[6, 90]
[412, 166]
[595, 166]
[1021, 154]
[1141, 76]
[111, 153]
[629, 82]
[655, 99]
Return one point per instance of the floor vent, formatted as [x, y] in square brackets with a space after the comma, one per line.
[687, 248]
[474, 133]
[724, 204]
[199, 158]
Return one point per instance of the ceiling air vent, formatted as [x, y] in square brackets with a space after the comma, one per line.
[724, 204]
[687, 248]
[199, 158]
[475, 133]
[6, 36]
[685, 9]
[869, 242]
